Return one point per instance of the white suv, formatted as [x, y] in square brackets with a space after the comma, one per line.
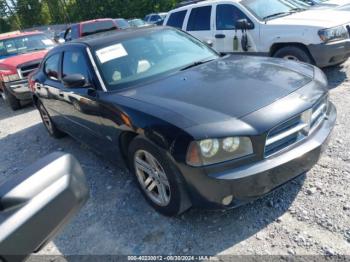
[278, 28]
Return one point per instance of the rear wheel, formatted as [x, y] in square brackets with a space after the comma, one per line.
[48, 123]
[11, 100]
[293, 53]
[160, 183]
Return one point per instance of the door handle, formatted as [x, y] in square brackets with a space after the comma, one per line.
[220, 36]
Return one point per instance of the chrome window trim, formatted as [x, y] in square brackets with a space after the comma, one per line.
[96, 69]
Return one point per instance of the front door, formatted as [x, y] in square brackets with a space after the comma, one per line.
[227, 39]
[80, 105]
[200, 22]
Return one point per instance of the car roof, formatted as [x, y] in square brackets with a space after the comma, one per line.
[18, 34]
[188, 5]
[101, 39]
[95, 21]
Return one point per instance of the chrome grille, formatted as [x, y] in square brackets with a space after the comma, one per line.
[296, 128]
[25, 70]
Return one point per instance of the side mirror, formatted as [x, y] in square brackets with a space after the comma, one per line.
[243, 24]
[61, 40]
[74, 81]
[40, 201]
[209, 43]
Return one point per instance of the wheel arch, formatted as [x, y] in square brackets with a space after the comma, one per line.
[277, 46]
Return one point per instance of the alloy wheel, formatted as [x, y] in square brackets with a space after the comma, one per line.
[46, 119]
[152, 178]
[291, 57]
[3, 95]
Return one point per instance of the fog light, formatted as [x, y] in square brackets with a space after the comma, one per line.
[227, 200]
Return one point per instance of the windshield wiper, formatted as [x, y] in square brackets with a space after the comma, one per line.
[196, 64]
[277, 14]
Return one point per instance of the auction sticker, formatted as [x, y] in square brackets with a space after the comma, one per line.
[111, 52]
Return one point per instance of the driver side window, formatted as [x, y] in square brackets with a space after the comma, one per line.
[74, 62]
[51, 66]
[227, 16]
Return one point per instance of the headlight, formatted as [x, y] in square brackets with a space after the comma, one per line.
[213, 151]
[320, 76]
[10, 78]
[333, 34]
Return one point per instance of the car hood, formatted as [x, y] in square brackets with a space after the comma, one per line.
[316, 17]
[13, 62]
[227, 88]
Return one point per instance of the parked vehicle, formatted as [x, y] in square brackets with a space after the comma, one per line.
[196, 128]
[328, 3]
[59, 37]
[268, 27]
[37, 203]
[91, 27]
[156, 19]
[122, 23]
[137, 23]
[20, 54]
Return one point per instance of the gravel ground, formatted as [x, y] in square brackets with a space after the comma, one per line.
[308, 216]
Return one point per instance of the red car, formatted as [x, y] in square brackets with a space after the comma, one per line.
[20, 54]
[89, 28]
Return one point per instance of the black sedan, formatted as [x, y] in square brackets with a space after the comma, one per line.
[195, 127]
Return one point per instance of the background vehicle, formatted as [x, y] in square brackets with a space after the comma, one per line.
[195, 128]
[122, 23]
[90, 27]
[59, 37]
[137, 23]
[36, 204]
[155, 18]
[20, 54]
[269, 28]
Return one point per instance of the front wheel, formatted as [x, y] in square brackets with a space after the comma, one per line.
[160, 183]
[293, 53]
[47, 121]
[11, 100]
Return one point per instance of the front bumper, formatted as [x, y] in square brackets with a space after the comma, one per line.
[250, 182]
[20, 89]
[328, 54]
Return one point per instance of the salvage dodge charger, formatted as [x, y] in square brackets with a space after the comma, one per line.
[196, 128]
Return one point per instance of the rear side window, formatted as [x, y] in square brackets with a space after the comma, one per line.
[199, 19]
[227, 16]
[51, 66]
[74, 62]
[97, 27]
[176, 19]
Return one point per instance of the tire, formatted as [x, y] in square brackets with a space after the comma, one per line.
[48, 123]
[11, 100]
[294, 53]
[176, 201]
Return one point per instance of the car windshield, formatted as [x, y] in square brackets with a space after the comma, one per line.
[24, 44]
[124, 63]
[269, 9]
[122, 23]
[137, 22]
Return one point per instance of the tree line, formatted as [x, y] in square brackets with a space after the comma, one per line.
[23, 14]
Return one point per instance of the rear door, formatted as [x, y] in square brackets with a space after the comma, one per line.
[227, 38]
[200, 23]
[48, 87]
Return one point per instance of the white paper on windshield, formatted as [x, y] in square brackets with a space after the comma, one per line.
[47, 42]
[112, 52]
